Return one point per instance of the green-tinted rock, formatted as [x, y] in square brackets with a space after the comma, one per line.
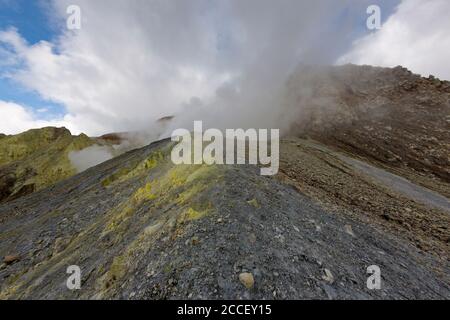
[36, 159]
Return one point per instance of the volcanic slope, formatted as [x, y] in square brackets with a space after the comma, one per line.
[140, 227]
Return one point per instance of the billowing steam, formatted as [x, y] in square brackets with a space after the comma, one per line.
[90, 157]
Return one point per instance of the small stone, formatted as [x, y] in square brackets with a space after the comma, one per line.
[220, 220]
[349, 230]
[247, 280]
[328, 276]
[280, 238]
[195, 240]
[296, 229]
[11, 259]
[60, 244]
[254, 203]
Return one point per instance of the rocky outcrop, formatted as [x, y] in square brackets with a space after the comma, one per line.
[36, 159]
[391, 117]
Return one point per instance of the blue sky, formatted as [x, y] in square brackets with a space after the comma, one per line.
[31, 19]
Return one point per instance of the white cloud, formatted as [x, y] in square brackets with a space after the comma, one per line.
[15, 119]
[133, 62]
[416, 36]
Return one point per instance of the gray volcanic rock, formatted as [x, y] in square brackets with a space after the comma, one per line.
[389, 116]
[141, 228]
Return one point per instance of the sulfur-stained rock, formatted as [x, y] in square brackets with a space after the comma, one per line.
[11, 259]
[247, 279]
